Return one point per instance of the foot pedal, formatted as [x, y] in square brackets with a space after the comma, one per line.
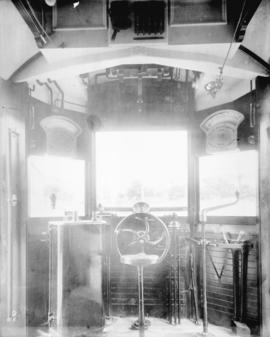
[137, 326]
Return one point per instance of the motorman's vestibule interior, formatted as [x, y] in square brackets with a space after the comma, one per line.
[134, 168]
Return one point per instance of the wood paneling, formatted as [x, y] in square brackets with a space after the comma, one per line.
[220, 294]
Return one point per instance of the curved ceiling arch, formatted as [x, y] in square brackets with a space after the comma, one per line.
[240, 66]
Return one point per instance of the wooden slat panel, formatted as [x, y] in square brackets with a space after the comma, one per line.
[220, 292]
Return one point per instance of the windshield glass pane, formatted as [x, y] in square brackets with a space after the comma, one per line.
[146, 165]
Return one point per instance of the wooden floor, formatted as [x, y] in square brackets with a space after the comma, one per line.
[120, 327]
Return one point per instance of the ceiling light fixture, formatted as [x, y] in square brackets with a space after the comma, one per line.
[50, 3]
[213, 87]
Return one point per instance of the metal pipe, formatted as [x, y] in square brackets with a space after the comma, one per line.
[31, 89]
[194, 284]
[205, 313]
[170, 295]
[43, 31]
[93, 124]
[50, 311]
[108, 285]
[179, 282]
[236, 303]
[72, 103]
[59, 310]
[205, 211]
[30, 15]
[259, 282]
[109, 252]
[141, 297]
[60, 90]
[93, 175]
[49, 88]
[244, 271]
[174, 278]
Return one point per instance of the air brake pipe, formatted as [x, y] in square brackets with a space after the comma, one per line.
[204, 243]
[60, 90]
[179, 278]
[31, 89]
[73, 103]
[49, 88]
[174, 280]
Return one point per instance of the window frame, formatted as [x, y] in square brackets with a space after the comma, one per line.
[55, 216]
[165, 210]
[241, 220]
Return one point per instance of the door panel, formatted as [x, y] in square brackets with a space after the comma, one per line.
[12, 224]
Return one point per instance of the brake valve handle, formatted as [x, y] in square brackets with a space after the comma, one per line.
[205, 211]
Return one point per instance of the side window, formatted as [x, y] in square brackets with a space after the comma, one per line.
[223, 174]
[56, 185]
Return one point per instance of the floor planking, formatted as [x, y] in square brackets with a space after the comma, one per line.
[120, 327]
